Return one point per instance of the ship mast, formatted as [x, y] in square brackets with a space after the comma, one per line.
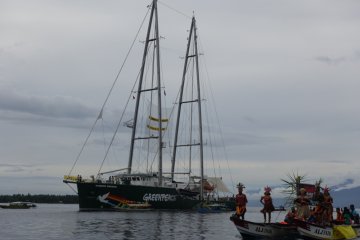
[192, 36]
[156, 40]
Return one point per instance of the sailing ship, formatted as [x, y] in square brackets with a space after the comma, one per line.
[126, 189]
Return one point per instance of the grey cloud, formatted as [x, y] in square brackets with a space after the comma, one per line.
[250, 139]
[53, 107]
[12, 168]
[338, 60]
[330, 61]
[10, 165]
[30, 184]
[249, 119]
[58, 111]
[343, 184]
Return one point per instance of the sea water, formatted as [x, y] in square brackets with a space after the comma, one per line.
[61, 221]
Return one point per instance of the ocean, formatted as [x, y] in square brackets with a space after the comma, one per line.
[65, 222]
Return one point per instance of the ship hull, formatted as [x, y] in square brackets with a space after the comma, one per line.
[102, 196]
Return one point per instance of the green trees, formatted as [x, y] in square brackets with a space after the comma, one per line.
[39, 198]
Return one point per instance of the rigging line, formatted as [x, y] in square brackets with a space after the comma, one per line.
[144, 105]
[123, 113]
[107, 97]
[217, 118]
[175, 10]
[211, 136]
[72, 188]
[210, 140]
[117, 127]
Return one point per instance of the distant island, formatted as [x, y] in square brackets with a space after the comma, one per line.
[40, 198]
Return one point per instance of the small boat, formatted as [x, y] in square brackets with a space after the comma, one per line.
[18, 205]
[122, 204]
[280, 208]
[30, 204]
[214, 208]
[315, 231]
[254, 230]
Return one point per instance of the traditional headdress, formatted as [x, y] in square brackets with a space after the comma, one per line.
[267, 189]
[240, 185]
[326, 189]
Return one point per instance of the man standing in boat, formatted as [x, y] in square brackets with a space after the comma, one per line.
[266, 200]
[328, 206]
[302, 204]
[241, 201]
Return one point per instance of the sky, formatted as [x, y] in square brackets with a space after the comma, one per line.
[284, 75]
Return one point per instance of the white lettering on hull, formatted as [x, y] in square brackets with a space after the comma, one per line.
[105, 186]
[159, 197]
[323, 232]
[263, 230]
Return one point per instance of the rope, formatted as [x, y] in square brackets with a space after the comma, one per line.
[175, 10]
[72, 188]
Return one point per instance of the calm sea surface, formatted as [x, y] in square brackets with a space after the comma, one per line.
[59, 221]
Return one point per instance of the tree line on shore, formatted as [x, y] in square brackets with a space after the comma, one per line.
[39, 198]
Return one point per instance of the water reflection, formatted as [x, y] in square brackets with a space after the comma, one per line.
[65, 222]
[146, 225]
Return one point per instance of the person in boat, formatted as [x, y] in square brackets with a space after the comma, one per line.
[328, 205]
[312, 218]
[266, 201]
[290, 216]
[302, 204]
[347, 216]
[339, 215]
[354, 214]
[241, 201]
[320, 213]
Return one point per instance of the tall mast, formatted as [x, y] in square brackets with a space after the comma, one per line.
[198, 100]
[181, 101]
[157, 45]
[200, 116]
[156, 39]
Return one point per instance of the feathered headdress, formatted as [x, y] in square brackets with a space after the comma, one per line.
[240, 185]
[267, 189]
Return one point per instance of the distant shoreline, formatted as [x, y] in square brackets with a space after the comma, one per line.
[40, 198]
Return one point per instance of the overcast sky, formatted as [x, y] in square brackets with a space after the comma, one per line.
[285, 75]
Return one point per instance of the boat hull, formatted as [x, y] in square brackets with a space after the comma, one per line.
[254, 230]
[214, 208]
[14, 207]
[356, 228]
[103, 196]
[18, 205]
[314, 231]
